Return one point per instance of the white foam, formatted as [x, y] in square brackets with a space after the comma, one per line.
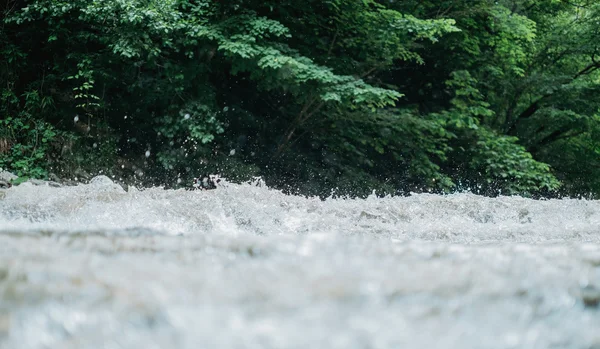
[244, 266]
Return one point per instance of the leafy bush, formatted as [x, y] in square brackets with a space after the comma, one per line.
[315, 96]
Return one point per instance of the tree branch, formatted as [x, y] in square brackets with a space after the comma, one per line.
[561, 133]
[534, 107]
[298, 121]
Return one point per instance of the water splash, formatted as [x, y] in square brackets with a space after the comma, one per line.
[244, 266]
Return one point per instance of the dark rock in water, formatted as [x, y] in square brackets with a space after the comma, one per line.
[206, 182]
[590, 296]
[4, 184]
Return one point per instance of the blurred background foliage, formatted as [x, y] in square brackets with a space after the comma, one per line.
[322, 97]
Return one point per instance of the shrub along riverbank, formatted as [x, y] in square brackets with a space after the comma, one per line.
[314, 96]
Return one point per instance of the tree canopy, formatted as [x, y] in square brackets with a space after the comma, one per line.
[317, 97]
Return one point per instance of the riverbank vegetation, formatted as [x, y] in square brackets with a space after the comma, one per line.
[315, 96]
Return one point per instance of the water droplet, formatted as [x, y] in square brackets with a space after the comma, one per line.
[232, 152]
[147, 153]
[186, 116]
[76, 118]
[95, 145]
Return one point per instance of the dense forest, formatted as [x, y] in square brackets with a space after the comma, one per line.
[317, 97]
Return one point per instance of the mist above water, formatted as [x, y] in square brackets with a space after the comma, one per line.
[94, 266]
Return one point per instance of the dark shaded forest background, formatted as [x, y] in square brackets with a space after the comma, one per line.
[315, 96]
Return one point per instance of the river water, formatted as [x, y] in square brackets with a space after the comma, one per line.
[94, 266]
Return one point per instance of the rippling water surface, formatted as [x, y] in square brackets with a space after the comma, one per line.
[243, 266]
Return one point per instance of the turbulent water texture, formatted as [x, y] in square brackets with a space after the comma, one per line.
[93, 266]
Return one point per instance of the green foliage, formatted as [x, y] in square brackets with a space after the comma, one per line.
[30, 141]
[354, 96]
[508, 168]
[83, 96]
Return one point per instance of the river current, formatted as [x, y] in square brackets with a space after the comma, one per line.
[244, 266]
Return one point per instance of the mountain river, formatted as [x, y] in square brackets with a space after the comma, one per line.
[95, 266]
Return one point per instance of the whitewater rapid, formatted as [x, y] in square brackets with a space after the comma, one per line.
[244, 266]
